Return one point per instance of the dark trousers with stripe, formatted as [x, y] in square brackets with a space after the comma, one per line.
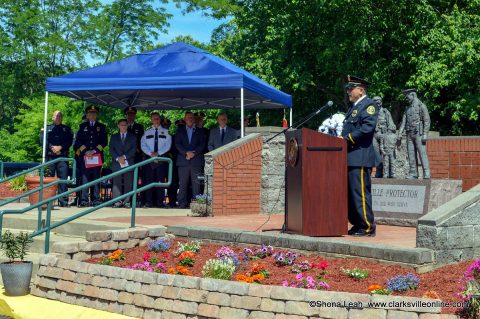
[360, 213]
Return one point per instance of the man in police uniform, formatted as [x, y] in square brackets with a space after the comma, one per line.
[358, 131]
[156, 142]
[59, 140]
[91, 139]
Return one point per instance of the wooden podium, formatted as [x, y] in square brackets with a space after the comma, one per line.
[316, 184]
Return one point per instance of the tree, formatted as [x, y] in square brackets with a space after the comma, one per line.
[307, 47]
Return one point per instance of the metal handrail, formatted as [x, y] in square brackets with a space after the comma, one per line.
[40, 189]
[49, 201]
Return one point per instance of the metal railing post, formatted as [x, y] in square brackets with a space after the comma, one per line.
[47, 226]
[134, 198]
[40, 198]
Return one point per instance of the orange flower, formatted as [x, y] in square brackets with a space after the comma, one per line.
[374, 287]
[258, 277]
[187, 254]
[172, 271]
[249, 280]
[431, 294]
[240, 277]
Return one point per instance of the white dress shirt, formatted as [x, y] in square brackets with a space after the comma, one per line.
[148, 141]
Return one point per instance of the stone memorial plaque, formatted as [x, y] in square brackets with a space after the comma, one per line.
[402, 201]
[408, 199]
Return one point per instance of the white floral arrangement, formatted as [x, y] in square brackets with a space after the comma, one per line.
[333, 125]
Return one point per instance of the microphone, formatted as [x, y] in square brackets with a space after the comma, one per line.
[328, 104]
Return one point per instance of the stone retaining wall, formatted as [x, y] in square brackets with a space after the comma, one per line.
[151, 295]
[452, 230]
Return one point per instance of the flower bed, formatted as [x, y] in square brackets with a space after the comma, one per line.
[269, 266]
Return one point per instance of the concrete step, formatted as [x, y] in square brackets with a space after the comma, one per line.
[38, 245]
[74, 228]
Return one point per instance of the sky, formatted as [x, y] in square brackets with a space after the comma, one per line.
[194, 24]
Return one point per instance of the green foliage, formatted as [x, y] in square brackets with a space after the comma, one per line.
[218, 269]
[15, 246]
[18, 183]
[306, 48]
[356, 273]
[106, 261]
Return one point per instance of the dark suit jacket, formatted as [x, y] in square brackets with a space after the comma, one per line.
[197, 145]
[358, 130]
[215, 139]
[117, 148]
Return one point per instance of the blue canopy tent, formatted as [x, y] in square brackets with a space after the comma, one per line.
[175, 77]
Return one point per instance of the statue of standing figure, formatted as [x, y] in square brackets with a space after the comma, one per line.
[416, 123]
[384, 141]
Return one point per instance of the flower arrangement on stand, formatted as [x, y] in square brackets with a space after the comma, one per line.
[403, 283]
[470, 290]
[115, 256]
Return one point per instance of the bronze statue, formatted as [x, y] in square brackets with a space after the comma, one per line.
[384, 141]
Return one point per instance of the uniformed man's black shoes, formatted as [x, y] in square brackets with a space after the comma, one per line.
[352, 230]
[363, 233]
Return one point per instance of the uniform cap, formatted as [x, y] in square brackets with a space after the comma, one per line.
[354, 81]
[91, 108]
[130, 109]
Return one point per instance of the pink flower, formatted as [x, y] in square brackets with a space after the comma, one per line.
[322, 265]
[150, 269]
[324, 285]
[285, 283]
[300, 276]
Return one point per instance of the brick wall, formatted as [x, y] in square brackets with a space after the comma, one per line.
[237, 178]
[455, 158]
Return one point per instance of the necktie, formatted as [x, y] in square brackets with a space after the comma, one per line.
[155, 145]
[223, 134]
[123, 137]
[91, 124]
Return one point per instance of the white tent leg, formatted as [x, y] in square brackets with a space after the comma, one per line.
[44, 152]
[291, 116]
[242, 126]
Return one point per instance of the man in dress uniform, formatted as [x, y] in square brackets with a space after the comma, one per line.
[358, 131]
[91, 139]
[137, 130]
[59, 140]
[156, 142]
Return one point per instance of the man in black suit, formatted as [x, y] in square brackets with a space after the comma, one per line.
[91, 139]
[122, 147]
[358, 130]
[190, 143]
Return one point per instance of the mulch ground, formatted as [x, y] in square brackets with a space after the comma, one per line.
[443, 281]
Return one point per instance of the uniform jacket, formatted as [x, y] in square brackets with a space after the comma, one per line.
[215, 139]
[127, 148]
[197, 145]
[90, 138]
[358, 130]
[58, 135]
[137, 130]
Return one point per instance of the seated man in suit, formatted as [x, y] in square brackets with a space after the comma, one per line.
[190, 143]
[123, 146]
[222, 134]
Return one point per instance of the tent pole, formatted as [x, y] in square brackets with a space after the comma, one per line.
[44, 152]
[291, 115]
[242, 126]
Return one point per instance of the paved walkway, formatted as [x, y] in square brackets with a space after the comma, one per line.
[388, 235]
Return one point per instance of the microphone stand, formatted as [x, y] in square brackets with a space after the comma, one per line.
[302, 121]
